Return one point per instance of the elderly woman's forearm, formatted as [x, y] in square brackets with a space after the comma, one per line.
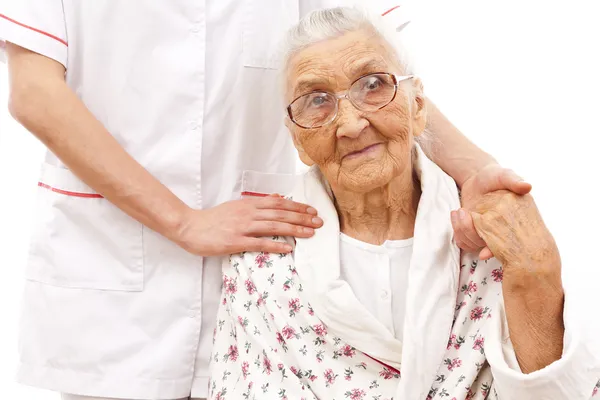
[452, 150]
[535, 324]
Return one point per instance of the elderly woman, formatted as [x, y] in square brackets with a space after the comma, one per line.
[381, 303]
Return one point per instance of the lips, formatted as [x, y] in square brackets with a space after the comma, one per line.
[362, 151]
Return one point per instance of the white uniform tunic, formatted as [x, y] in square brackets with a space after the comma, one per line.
[189, 89]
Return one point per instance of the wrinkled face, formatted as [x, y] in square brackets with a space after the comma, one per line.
[359, 150]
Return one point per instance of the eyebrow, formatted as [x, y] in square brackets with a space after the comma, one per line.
[306, 85]
[367, 67]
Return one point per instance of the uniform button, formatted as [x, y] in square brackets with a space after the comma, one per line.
[195, 28]
[194, 126]
[384, 294]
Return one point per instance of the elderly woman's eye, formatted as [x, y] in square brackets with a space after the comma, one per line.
[372, 83]
[318, 100]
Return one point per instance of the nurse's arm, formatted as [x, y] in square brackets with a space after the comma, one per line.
[451, 150]
[44, 104]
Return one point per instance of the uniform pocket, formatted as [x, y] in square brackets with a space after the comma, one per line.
[265, 25]
[256, 183]
[81, 240]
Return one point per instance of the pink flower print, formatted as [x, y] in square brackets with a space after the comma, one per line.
[476, 313]
[469, 288]
[295, 306]
[473, 267]
[250, 287]
[348, 351]
[330, 377]
[230, 285]
[320, 329]
[294, 370]
[452, 363]
[478, 344]
[386, 373]
[485, 389]
[450, 341]
[280, 366]
[232, 353]
[267, 369]
[470, 395]
[288, 332]
[312, 378]
[355, 394]
[596, 389]
[245, 367]
[224, 301]
[263, 260]
[310, 310]
[497, 275]
[261, 298]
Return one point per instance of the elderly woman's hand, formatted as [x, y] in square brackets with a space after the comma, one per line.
[514, 231]
[489, 179]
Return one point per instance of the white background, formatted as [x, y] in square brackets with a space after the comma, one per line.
[520, 78]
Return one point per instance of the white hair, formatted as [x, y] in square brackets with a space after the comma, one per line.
[330, 23]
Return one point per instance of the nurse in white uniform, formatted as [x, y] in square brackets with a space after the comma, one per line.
[164, 131]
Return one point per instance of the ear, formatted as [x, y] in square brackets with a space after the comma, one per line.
[297, 143]
[419, 108]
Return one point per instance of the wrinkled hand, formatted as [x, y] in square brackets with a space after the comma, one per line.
[489, 179]
[242, 225]
[514, 231]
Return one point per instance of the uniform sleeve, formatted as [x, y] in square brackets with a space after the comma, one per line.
[37, 25]
[575, 376]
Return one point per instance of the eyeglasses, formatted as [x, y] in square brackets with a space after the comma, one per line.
[368, 93]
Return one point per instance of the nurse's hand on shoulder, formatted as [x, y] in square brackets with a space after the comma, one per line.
[246, 225]
[489, 179]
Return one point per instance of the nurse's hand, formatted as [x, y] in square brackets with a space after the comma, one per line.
[489, 179]
[245, 225]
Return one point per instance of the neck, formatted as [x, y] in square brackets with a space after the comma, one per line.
[385, 213]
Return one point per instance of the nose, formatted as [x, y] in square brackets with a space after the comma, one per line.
[350, 121]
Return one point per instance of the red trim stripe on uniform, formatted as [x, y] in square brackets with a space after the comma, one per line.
[390, 10]
[73, 194]
[254, 194]
[34, 29]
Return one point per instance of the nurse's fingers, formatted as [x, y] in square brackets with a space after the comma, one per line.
[290, 217]
[274, 228]
[264, 245]
[467, 228]
[460, 238]
[279, 203]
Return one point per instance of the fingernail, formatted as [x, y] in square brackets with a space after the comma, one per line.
[308, 231]
[317, 221]
[453, 216]
[311, 210]
[461, 214]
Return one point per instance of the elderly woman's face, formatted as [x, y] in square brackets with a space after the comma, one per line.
[358, 150]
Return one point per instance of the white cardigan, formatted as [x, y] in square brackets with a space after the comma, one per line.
[289, 327]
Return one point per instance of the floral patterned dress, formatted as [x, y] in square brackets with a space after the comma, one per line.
[270, 344]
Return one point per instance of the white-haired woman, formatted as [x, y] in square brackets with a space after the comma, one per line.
[381, 303]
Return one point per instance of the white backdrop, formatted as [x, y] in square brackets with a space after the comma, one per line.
[521, 78]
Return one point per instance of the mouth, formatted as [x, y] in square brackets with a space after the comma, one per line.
[363, 151]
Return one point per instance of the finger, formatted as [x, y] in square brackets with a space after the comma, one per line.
[461, 240]
[289, 217]
[274, 228]
[280, 203]
[465, 225]
[513, 182]
[264, 245]
[485, 254]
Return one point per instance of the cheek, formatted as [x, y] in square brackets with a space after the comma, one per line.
[320, 147]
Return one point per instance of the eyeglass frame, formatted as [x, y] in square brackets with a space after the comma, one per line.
[345, 95]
